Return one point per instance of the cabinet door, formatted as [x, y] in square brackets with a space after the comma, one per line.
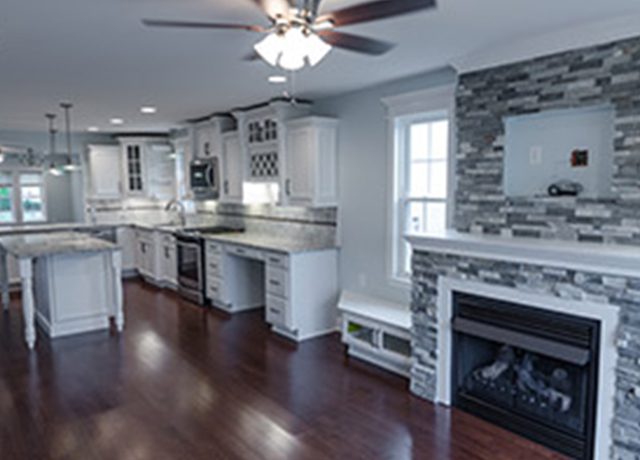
[232, 170]
[204, 148]
[298, 186]
[134, 167]
[161, 172]
[104, 171]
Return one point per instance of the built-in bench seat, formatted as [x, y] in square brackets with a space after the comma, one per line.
[377, 331]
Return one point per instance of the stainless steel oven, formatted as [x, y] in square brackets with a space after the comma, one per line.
[205, 178]
[190, 267]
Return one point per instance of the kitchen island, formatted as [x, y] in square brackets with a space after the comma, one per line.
[71, 282]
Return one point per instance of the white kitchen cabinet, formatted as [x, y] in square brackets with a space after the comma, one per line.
[134, 171]
[126, 238]
[311, 177]
[207, 136]
[167, 260]
[104, 166]
[146, 253]
[160, 165]
[232, 172]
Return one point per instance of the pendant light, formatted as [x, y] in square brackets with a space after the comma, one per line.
[70, 166]
[53, 170]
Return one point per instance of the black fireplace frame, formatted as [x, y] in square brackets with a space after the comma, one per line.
[577, 339]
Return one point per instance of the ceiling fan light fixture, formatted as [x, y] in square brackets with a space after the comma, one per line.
[317, 49]
[270, 48]
[294, 50]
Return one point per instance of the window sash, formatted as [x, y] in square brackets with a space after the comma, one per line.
[18, 182]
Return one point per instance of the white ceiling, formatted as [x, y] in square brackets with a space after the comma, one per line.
[98, 55]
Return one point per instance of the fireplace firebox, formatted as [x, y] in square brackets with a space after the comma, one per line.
[527, 369]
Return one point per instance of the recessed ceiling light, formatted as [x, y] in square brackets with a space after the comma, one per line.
[93, 129]
[148, 109]
[116, 121]
[277, 79]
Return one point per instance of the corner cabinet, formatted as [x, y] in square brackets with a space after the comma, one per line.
[311, 162]
[232, 172]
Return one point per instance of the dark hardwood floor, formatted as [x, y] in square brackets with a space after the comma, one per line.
[183, 383]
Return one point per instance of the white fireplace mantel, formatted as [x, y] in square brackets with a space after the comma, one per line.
[590, 257]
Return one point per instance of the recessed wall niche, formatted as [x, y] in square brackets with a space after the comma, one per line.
[600, 76]
[552, 150]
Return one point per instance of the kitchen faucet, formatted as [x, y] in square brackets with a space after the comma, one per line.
[174, 203]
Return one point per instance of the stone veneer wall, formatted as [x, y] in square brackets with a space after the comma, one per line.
[570, 284]
[606, 74]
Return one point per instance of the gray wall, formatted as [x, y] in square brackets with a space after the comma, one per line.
[362, 150]
[65, 194]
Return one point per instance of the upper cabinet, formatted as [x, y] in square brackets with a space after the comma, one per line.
[103, 172]
[148, 168]
[207, 136]
[232, 172]
[311, 162]
[261, 130]
[134, 170]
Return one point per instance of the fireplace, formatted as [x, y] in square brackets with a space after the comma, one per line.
[530, 370]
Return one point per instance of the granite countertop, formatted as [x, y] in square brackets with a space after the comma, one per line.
[269, 243]
[31, 245]
[46, 227]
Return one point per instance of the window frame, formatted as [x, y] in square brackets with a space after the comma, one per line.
[16, 198]
[428, 105]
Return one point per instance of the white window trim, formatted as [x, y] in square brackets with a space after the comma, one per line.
[420, 104]
[18, 215]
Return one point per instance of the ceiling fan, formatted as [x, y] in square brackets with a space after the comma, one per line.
[298, 33]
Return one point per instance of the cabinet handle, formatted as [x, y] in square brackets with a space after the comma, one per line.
[226, 187]
[240, 251]
[273, 260]
[166, 252]
[287, 187]
[274, 311]
[274, 283]
[143, 248]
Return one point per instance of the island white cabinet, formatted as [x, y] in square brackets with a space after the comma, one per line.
[232, 168]
[104, 166]
[311, 162]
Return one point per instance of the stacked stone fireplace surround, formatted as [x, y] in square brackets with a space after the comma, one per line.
[602, 75]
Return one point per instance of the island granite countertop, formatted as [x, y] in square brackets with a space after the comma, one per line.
[32, 245]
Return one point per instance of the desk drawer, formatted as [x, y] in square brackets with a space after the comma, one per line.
[276, 260]
[213, 248]
[277, 281]
[246, 252]
[214, 265]
[277, 311]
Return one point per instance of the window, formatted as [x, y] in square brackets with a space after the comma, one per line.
[22, 197]
[32, 197]
[420, 134]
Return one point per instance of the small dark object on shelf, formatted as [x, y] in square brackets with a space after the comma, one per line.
[565, 188]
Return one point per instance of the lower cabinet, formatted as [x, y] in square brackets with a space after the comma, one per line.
[167, 260]
[298, 291]
[146, 253]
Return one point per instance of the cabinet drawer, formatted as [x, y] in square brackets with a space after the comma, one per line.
[214, 289]
[213, 248]
[243, 251]
[214, 265]
[277, 311]
[277, 281]
[274, 259]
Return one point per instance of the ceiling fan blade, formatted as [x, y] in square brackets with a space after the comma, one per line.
[275, 8]
[372, 11]
[356, 43]
[201, 25]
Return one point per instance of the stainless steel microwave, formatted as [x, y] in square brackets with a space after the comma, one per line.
[205, 178]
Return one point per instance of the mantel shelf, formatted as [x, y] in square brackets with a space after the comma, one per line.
[590, 257]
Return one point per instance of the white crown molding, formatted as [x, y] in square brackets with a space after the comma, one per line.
[570, 38]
